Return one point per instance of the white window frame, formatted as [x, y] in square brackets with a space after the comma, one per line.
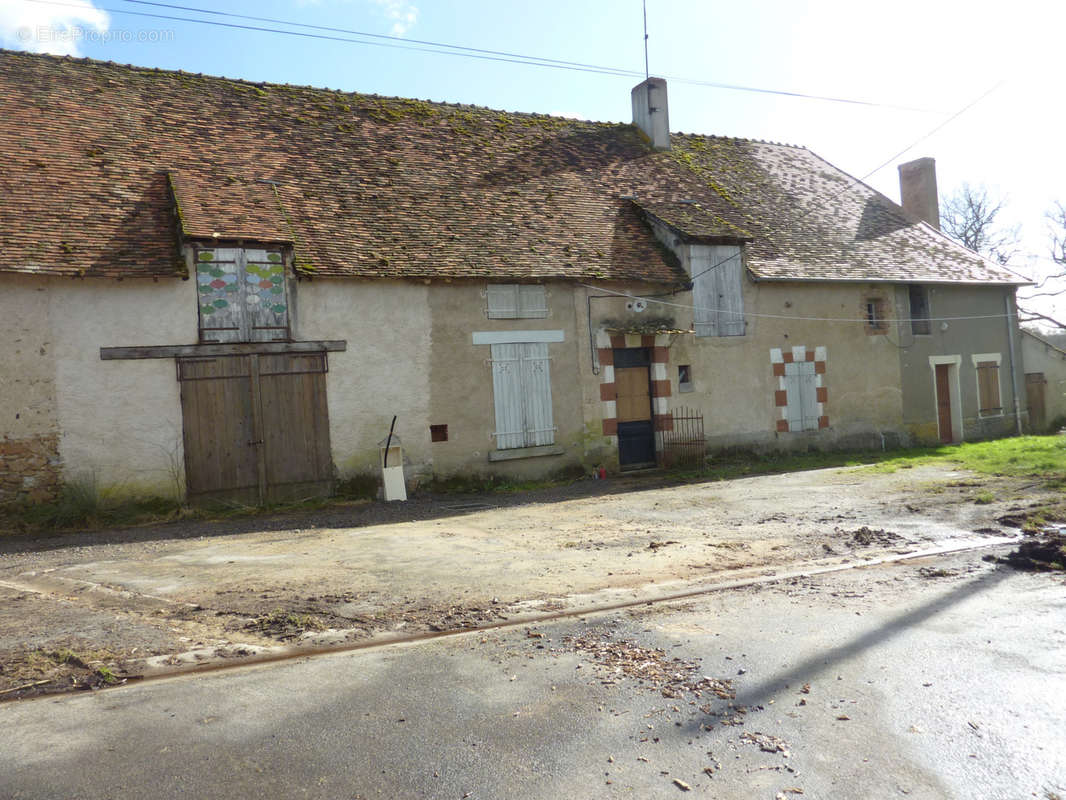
[984, 358]
[516, 301]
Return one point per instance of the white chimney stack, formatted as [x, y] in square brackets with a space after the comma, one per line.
[651, 113]
[917, 190]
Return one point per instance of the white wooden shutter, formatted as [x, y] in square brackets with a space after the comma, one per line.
[718, 290]
[532, 302]
[730, 290]
[802, 396]
[538, 394]
[521, 390]
[507, 396]
[503, 301]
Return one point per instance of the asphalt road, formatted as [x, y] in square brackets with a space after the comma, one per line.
[941, 679]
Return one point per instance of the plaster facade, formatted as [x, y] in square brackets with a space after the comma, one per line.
[966, 321]
[385, 370]
[1046, 359]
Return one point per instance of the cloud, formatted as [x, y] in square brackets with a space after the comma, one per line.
[50, 29]
[403, 14]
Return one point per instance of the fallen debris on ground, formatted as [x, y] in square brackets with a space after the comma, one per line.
[672, 677]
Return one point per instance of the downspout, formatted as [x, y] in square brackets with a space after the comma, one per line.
[1013, 372]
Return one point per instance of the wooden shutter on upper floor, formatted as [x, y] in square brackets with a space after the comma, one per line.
[717, 290]
[243, 296]
[516, 301]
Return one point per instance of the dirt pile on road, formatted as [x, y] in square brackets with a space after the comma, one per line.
[865, 537]
[1043, 554]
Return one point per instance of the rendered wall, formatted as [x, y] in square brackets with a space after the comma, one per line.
[460, 374]
[1039, 356]
[985, 332]
[29, 443]
[735, 384]
[116, 424]
[384, 372]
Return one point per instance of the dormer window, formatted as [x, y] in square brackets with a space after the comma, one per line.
[243, 295]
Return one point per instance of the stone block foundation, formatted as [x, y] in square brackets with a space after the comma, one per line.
[29, 469]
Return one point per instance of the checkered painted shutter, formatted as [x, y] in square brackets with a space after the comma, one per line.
[521, 387]
[802, 396]
[717, 291]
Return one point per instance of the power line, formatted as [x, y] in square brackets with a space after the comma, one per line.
[860, 320]
[401, 43]
[857, 181]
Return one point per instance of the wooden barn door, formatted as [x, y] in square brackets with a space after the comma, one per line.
[256, 428]
[1034, 394]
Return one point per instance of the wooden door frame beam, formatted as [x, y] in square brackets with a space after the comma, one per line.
[210, 350]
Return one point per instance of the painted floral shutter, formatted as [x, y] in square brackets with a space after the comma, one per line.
[265, 299]
[242, 295]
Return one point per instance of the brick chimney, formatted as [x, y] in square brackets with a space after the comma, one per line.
[917, 190]
[651, 113]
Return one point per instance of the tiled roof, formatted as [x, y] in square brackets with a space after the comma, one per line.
[694, 221]
[812, 221]
[98, 158]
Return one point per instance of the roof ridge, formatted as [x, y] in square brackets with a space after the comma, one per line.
[744, 139]
[308, 87]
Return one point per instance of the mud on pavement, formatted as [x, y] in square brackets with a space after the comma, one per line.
[95, 609]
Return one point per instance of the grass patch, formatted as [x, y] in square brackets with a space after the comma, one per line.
[984, 498]
[81, 505]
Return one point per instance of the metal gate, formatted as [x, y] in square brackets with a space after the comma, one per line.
[684, 446]
[256, 428]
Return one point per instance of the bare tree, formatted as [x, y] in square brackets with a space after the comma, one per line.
[969, 216]
[1051, 286]
[1057, 219]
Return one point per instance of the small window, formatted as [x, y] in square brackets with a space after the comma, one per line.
[684, 377]
[438, 433]
[919, 297]
[517, 301]
[988, 388]
[875, 315]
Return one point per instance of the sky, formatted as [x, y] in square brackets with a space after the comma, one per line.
[922, 62]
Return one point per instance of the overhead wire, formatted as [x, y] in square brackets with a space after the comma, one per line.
[792, 317]
[853, 182]
[442, 48]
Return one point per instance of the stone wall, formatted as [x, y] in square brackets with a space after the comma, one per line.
[29, 468]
